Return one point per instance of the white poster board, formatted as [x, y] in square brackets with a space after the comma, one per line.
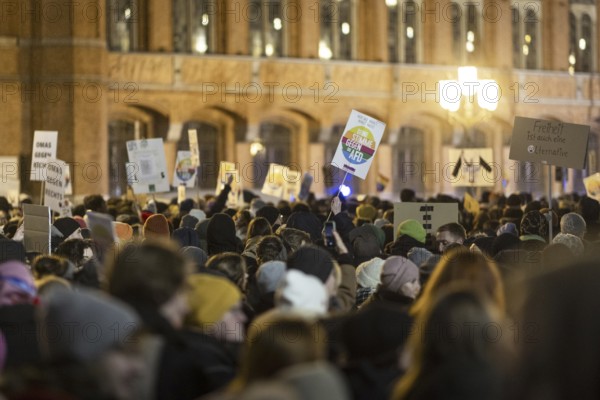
[358, 144]
[150, 166]
[44, 148]
[10, 183]
[36, 223]
[184, 172]
[56, 183]
[227, 169]
[194, 149]
[431, 215]
[472, 167]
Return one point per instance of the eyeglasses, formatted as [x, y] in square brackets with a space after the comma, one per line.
[20, 284]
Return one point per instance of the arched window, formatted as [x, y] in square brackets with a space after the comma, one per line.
[124, 23]
[208, 143]
[408, 159]
[278, 149]
[119, 132]
[267, 27]
[194, 26]
[526, 26]
[466, 31]
[404, 31]
[338, 29]
[582, 33]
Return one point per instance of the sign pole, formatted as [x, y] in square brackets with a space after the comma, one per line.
[42, 191]
[198, 186]
[549, 214]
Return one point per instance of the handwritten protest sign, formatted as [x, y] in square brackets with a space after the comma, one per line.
[185, 172]
[56, 182]
[227, 169]
[549, 142]
[358, 144]
[44, 148]
[194, 149]
[282, 182]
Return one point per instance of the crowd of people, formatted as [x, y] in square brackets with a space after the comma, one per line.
[198, 300]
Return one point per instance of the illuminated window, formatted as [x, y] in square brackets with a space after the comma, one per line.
[338, 29]
[466, 31]
[404, 31]
[194, 23]
[526, 28]
[267, 27]
[582, 31]
[123, 25]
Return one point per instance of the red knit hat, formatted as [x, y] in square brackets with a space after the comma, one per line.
[156, 226]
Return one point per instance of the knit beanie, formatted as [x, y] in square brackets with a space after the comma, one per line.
[186, 237]
[508, 227]
[124, 231]
[84, 324]
[368, 274]
[195, 255]
[366, 211]
[573, 242]
[534, 223]
[210, 297]
[156, 226]
[400, 275]
[201, 215]
[66, 226]
[302, 293]
[412, 228]
[312, 261]
[573, 223]
[269, 276]
[419, 255]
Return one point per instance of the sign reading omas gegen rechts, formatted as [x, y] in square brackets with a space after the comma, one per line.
[549, 142]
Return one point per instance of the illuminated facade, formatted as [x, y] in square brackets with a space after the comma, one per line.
[286, 73]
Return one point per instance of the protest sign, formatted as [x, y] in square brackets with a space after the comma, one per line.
[36, 223]
[227, 169]
[471, 204]
[149, 166]
[10, 184]
[185, 172]
[431, 215]
[472, 167]
[358, 144]
[282, 182]
[549, 142]
[44, 148]
[194, 149]
[54, 190]
[102, 229]
[592, 186]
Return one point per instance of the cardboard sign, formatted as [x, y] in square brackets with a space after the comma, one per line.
[227, 169]
[358, 144]
[472, 167]
[56, 182]
[185, 172]
[149, 166]
[549, 142]
[432, 215]
[36, 221]
[44, 148]
[10, 184]
[102, 228]
[282, 182]
[471, 204]
[592, 186]
[194, 149]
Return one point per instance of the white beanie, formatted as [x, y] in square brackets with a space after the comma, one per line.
[269, 276]
[368, 274]
[195, 212]
[302, 293]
